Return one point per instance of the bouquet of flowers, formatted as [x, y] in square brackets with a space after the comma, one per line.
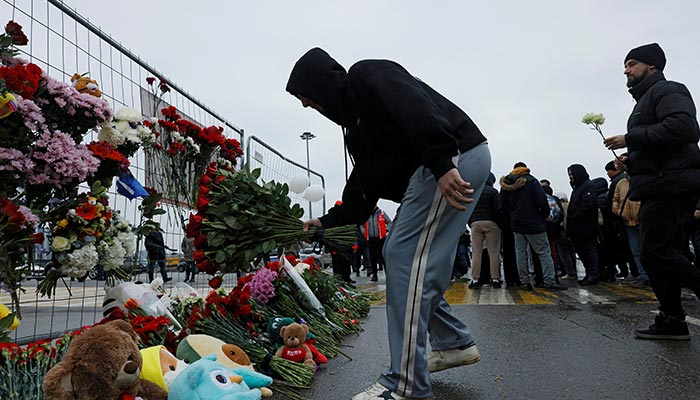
[79, 227]
[17, 234]
[183, 149]
[126, 132]
[239, 220]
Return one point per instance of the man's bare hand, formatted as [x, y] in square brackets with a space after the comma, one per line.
[615, 142]
[621, 163]
[455, 190]
[315, 222]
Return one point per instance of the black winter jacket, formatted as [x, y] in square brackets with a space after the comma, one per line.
[662, 140]
[395, 123]
[487, 207]
[582, 213]
[524, 199]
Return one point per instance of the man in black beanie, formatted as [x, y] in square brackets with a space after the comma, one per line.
[664, 169]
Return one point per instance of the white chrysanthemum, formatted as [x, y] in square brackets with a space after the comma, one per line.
[128, 114]
[78, 262]
[195, 148]
[109, 134]
[130, 134]
[127, 240]
[111, 253]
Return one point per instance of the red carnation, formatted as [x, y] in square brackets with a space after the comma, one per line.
[199, 256]
[215, 282]
[206, 266]
[37, 238]
[205, 180]
[15, 30]
[202, 203]
[163, 86]
[150, 80]
[200, 241]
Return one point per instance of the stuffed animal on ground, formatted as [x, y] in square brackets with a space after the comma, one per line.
[160, 366]
[194, 347]
[294, 349]
[84, 84]
[274, 325]
[206, 379]
[104, 362]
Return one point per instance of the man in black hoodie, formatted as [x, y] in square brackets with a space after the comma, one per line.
[411, 145]
[582, 221]
[664, 170]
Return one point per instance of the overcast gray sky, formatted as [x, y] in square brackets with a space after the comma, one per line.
[525, 71]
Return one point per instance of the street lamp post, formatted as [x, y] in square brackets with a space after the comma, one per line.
[308, 136]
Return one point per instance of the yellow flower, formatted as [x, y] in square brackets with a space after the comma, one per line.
[4, 311]
[59, 244]
[63, 223]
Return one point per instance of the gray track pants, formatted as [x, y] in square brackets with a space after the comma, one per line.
[419, 253]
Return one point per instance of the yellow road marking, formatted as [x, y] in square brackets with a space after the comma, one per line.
[527, 297]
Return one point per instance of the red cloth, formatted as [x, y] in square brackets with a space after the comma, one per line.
[296, 355]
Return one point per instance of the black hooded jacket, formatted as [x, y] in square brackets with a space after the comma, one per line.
[526, 203]
[395, 123]
[662, 140]
[582, 213]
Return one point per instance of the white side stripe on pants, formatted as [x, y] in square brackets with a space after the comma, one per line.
[415, 293]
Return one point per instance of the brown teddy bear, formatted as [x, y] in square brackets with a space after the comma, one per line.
[294, 349]
[102, 363]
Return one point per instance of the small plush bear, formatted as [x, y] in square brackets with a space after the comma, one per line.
[104, 362]
[84, 84]
[294, 349]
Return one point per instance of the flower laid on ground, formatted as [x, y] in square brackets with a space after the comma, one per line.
[24, 367]
[239, 221]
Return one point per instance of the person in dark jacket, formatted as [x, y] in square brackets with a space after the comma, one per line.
[155, 246]
[484, 226]
[664, 170]
[582, 221]
[614, 247]
[524, 199]
[411, 145]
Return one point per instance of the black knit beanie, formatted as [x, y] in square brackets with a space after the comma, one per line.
[651, 54]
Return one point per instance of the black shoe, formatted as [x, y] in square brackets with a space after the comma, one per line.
[374, 278]
[555, 287]
[539, 284]
[526, 286]
[474, 285]
[665, 328]
[587, 281]
[167, 280]
[495, 283]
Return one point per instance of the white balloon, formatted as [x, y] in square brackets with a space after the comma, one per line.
[298, 183]
[314, 193]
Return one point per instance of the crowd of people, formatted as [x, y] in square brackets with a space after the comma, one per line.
[538, 234]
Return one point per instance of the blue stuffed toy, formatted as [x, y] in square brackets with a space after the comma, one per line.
[205, 379]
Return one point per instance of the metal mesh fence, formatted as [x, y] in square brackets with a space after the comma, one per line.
[62, 42]
[276, 167]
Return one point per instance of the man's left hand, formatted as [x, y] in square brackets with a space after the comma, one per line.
[615, 142]
[455, 190]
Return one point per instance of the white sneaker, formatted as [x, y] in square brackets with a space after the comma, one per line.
[377, 391]
[441, 360]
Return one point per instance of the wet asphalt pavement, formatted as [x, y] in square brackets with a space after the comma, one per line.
[538, 352]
